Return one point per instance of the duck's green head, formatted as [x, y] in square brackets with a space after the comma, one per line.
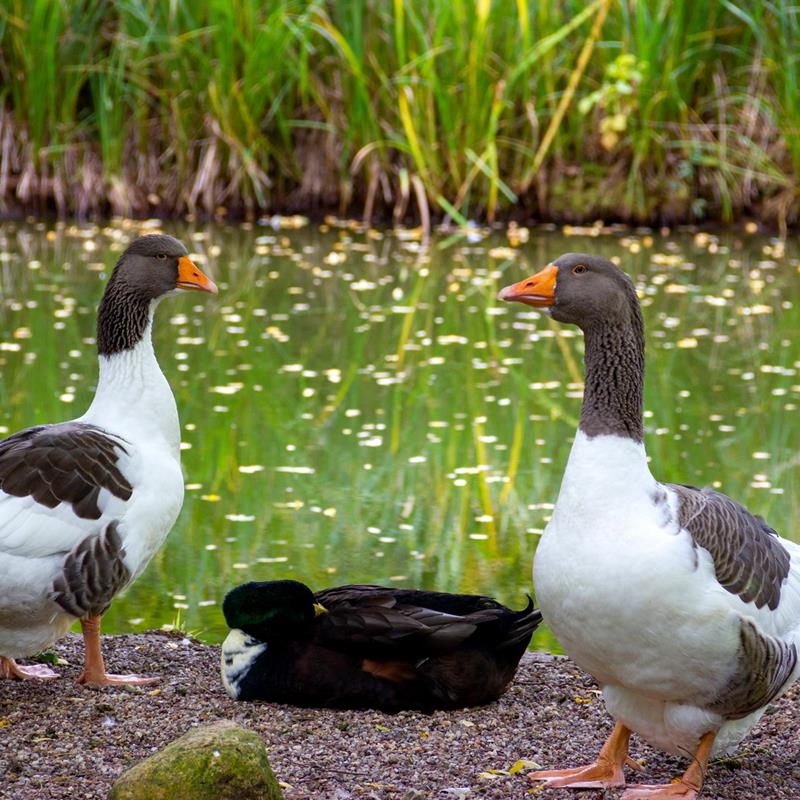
[270, 609]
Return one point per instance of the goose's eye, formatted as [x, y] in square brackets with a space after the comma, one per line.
[162, 256]
[578, 269]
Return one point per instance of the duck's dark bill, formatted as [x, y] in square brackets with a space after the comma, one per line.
[538, 290]
[190, 277]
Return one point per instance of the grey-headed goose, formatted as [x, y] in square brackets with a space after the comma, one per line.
[85, 504]
[683, 605]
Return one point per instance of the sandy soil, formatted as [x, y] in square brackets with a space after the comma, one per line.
[60, 740]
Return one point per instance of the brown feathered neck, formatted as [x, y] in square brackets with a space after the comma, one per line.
[614, 383]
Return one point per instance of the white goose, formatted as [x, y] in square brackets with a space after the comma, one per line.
[683, 605]
[85, 504]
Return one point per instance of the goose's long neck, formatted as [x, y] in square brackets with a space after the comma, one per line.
[132, 397]
[607, 465]
[614, 382]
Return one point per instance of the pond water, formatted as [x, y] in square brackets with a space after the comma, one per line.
[357, 407]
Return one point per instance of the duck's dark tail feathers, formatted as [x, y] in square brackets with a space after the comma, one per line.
[480, 672]
[523, 626]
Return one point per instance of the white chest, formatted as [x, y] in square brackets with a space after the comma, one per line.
[134, 402]
[133, 399]
[615, 579]
[153, 507]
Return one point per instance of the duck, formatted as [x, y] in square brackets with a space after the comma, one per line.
[683, 605]
[85, 504]
[370, 647]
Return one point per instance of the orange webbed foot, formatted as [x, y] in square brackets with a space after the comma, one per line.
[593, 776]
[606, 772]
[32, 672]
[656, 791]
[110, 679]
[94, 670]
[687, 788]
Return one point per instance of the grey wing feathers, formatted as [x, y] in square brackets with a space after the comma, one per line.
[764, 666]
[92, 574]
[749, 559]
[69, 462]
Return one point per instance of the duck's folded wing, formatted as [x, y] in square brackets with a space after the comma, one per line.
[397, 632]
[55, 481]
[355, 594]
[371, 595]
[749, 559]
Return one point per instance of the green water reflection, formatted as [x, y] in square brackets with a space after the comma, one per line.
[357, 407]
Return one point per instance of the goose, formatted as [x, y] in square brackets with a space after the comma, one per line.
[682, 604]
[362, 646]
[85, 504]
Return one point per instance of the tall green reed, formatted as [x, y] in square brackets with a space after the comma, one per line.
[416, 107]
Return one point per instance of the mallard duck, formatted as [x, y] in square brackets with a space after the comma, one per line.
[370, 646]
[85, 504]
[681, 603]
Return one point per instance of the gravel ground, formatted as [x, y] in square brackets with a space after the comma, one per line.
[60, 740]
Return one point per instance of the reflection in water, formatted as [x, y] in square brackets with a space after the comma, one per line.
[357, 407]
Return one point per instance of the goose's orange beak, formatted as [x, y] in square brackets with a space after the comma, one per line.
[190, 277]
[539, 290]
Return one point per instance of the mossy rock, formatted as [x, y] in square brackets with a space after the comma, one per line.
[220, 761]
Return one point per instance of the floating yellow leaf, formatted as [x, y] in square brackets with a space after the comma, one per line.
[502, 252]
[523, 763]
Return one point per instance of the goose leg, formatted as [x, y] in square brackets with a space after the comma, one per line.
[605, 772]
[687, 788]
[94, 668]
[33, 672]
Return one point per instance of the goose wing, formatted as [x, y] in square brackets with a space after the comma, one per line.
[753, 563]
[749, 558]
[55, 485]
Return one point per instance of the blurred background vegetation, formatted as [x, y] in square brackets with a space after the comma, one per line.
[638, 110]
